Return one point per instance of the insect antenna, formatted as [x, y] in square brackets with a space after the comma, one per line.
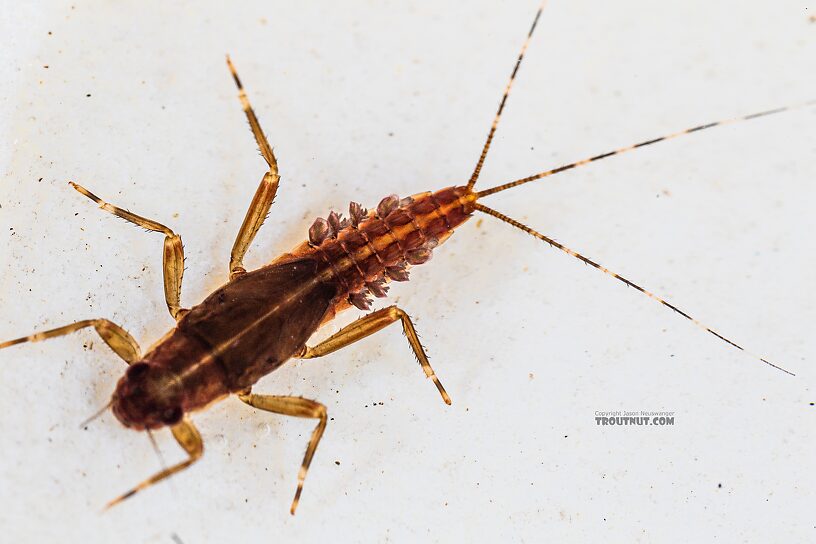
[576, 164]
[156, 449]
[486, 148]
[96, 414]
[629, 283]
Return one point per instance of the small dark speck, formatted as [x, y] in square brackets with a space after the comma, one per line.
[88, 95]
[40, 179]
[45, 66]
[719, 486]
[390, 133]
[49, 33]
[565, 436]
[813, 403]
[337, 463]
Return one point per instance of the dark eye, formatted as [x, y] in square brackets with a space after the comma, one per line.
[171, 416]
[137, 370]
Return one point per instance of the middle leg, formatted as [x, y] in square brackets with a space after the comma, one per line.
[173, 257]
[297, 407]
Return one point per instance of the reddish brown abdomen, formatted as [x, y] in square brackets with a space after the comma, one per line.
[361, 254]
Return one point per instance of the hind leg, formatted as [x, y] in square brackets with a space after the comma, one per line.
[264, 195]
[173, 262]
[367, 325]
[114, 336]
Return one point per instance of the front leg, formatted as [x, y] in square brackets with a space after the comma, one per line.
[370, 324]
[189, 439]
[114, 336]
[297, 407]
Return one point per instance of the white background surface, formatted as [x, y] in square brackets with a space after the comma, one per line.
[364, 99]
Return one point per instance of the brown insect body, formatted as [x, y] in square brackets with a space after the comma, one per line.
[259, 320]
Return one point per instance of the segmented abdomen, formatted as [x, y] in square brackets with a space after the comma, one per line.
[362, 253]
